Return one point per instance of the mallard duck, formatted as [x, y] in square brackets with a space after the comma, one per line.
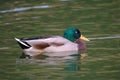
[72, 40]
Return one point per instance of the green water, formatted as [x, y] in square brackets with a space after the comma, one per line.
[95, 18]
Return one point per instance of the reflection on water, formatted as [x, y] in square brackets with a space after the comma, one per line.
[49, 68]
[65, 0]
[108, 37]
[25, 8]
[28, 8]
[70, 62]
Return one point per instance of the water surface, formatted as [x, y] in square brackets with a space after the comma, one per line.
[97, 20]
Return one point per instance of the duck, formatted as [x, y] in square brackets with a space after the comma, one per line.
[72, 40]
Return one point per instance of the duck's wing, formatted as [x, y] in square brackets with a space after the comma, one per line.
[35, 38]
[43, 42]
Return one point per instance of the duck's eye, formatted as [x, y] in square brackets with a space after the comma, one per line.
[77, 34]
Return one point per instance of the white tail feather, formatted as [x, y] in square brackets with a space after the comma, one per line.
[21, 42]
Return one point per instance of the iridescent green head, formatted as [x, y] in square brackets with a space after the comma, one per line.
[73, 34]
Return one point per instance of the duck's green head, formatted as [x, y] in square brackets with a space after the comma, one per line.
[73, 34]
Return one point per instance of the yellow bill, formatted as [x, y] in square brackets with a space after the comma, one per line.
[83, 38]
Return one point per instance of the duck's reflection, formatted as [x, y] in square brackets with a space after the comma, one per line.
[69, 61]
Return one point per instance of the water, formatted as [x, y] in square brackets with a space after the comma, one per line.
[108, 37]
[102, 60]
[67, 68]
[98, 64]
[25, 8]
[49, 68]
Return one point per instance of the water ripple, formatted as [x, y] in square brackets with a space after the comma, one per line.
[26, 8]
[108, 37]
